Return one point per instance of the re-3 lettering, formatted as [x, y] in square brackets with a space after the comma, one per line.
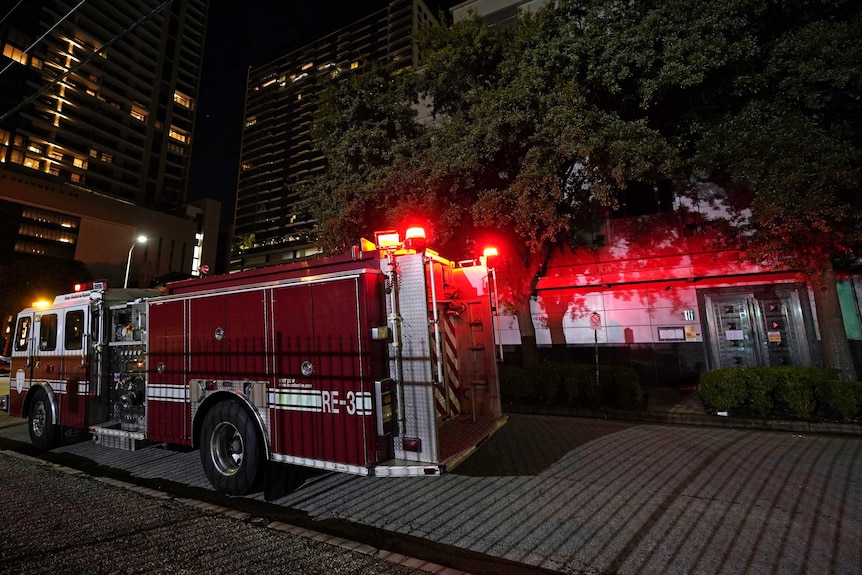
[357, 403]
[331, 402]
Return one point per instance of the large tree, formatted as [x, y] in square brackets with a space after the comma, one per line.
[535, 126]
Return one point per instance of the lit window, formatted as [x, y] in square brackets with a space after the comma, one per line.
[107, 158]
[55, 155]
[14, 53]
[79, 163]
[94, 153]
[75, 178]
[182, 100]
[138, 113]
[178, 135]
[354, 65]
[36, 148]
[251, 121]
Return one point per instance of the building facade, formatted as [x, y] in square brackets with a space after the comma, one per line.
[277, 152]
[97, 113]
[54, 220]
[102, 94]
[493, 12]
[656, 291]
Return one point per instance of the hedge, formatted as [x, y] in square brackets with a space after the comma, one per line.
[572, 385]
[807, 393]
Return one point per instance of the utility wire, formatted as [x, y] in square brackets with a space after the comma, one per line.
[78, 66]
[10, 11]
[42, 37]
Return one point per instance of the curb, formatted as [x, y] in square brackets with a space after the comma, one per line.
[695, 419]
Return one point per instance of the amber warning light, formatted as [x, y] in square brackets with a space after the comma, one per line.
[414, 239]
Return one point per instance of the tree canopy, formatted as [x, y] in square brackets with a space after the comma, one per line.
[533, 127]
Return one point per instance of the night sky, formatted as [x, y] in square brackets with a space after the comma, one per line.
[241, 34]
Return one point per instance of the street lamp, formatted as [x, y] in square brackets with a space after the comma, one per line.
[141, 240]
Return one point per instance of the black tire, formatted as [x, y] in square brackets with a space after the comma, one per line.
[231, 449]
[44, 434]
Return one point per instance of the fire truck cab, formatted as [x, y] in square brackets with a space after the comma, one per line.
[381, 362]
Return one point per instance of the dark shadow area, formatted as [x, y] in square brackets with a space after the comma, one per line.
[530, 444]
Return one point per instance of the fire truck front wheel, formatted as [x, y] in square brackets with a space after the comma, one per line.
[43, 432]
[231, 449]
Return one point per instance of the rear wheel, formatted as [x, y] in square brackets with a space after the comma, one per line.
[231, 449]
[43, 432]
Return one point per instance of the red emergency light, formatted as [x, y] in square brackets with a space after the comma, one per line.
[490, 252]
[414, 239]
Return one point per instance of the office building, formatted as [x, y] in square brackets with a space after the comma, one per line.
[97, 113]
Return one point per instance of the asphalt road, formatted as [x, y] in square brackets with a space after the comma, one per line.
[561, 494]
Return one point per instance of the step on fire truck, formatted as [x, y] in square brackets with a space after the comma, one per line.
[381, 362]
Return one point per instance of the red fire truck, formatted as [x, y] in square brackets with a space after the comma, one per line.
[379, 363]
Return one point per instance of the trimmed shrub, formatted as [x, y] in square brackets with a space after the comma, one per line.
[779, 391]
[517, 386]
[793, 388]
[761, 390]
[723, 389]
[620, 387]
[580, 387]
[839, 399]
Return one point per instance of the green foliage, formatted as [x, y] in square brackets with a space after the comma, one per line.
[723, 391]
[842, 398]
[572, 385]
[536, 129]
[800, 392]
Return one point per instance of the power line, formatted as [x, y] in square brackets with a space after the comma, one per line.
[80, 64]
[10, 11]
[42, 37]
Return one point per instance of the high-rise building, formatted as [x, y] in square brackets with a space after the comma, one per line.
[494, 12]
[101, 94]
[277, 151]
[97, 112]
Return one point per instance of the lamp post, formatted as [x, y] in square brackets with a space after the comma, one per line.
[139, 239]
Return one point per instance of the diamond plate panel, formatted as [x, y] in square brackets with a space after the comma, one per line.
[414, 374]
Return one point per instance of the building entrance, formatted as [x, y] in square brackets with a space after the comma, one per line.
[757, 326]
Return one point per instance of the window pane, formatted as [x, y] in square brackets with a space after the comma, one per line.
[74, 329]
[22, 334]
[48, 332]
